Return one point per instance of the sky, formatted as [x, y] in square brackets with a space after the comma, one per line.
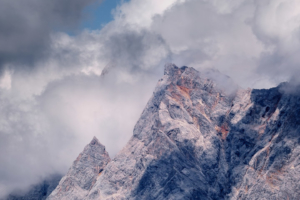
[98, 14]
[74, 69]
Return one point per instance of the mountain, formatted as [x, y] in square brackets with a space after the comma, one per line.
[39, 191]
[83, 174]
[199, 137]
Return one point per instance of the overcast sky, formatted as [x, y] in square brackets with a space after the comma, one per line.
[72, 69]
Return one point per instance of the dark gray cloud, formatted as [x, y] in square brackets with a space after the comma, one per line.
[26, 25]
[136, 50]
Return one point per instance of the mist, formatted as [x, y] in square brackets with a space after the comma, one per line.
[58, 90]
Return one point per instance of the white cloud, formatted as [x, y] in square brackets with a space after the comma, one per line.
[5, 81]
[139, 13]
[201, 36]
[276, 24]
[50, 113]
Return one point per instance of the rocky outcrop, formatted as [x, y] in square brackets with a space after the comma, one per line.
[202, 137]
[272, 166]
[176, 151]
[83, 174]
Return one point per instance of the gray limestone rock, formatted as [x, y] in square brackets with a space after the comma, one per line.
[202, 137]
[83, 174]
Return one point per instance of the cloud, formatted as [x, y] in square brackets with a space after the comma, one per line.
[277, 25]
[25, 27]
[139, 13]
[135, 50]
[49, 114]
[97, 82]
[204, 34]
[43, 135]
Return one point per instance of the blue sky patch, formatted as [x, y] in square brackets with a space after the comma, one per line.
[97, 15]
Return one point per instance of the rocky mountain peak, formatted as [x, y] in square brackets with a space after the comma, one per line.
[199, 137]
[171, 69]
[83, 173]
[95, 141]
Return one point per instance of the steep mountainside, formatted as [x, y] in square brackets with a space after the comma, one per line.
[83, 174]
[201, 137]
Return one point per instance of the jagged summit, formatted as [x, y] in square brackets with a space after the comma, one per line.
[83, 173]
[95, 141]
[221, 81]
[171, 68]
[196, 139]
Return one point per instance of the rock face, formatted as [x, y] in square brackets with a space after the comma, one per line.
[201, 137]
[39, 191]
[83, 174]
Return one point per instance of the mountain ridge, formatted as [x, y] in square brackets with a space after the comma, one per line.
[202, 137]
